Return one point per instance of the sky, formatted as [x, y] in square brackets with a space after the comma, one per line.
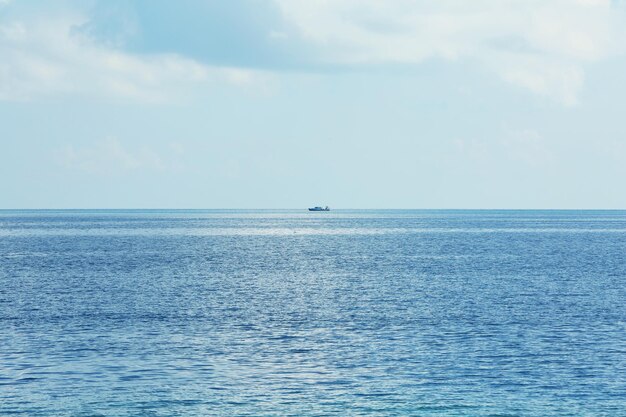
[295, 103]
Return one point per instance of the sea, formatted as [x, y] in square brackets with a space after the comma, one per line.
[290, 313]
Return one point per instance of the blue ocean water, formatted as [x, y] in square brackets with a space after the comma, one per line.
[374, 313]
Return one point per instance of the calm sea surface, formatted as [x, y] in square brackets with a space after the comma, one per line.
[202, 313]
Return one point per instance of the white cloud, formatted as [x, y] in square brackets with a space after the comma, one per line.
[111, 157]
[40, 57]
[542, 45]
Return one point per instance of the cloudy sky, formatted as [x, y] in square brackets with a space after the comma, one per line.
[292, 103]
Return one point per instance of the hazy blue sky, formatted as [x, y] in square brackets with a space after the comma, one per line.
[287, 103]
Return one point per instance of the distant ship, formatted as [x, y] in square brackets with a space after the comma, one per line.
[318, 208]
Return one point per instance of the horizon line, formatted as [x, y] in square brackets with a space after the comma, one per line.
[301, 208]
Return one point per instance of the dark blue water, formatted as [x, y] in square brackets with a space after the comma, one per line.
[201, 313]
